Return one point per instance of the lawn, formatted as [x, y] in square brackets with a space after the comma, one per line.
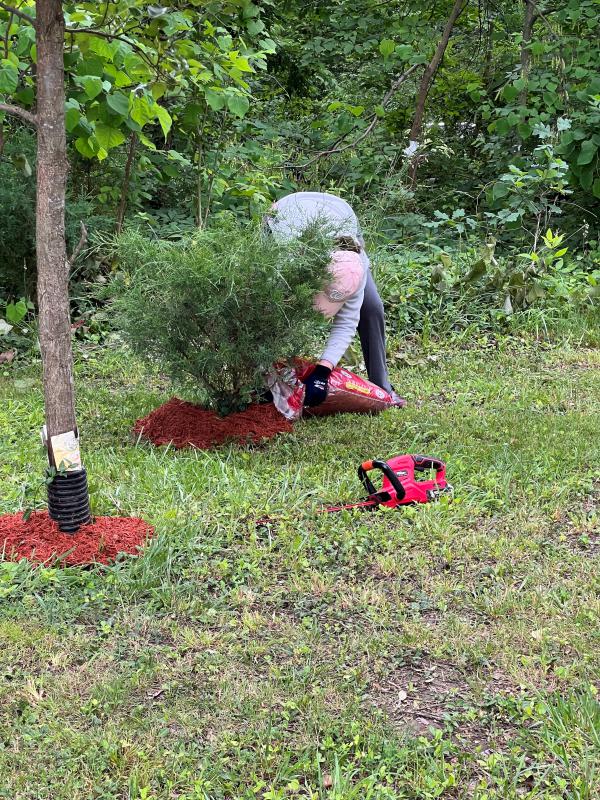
[448, 650]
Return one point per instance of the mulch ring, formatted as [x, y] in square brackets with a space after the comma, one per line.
[182, 424]
[38, 539]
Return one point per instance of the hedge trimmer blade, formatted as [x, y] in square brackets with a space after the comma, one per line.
[400, 485]
[364, 505]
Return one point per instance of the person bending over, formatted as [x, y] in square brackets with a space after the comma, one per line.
[352, 299]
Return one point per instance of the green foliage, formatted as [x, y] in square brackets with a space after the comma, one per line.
[165, 223]
[15, 327]
[539, 277]
[564, 81]
[443, 291]
[218, 308]
[116, 78]
[521, 204]
[529, 195]
[17, 217]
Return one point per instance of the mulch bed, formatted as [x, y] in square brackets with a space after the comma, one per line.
[39, 540]
[182, 424]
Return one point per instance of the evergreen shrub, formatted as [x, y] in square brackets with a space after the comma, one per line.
[217, 308]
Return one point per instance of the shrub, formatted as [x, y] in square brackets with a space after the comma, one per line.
[218, 308]
[479, 287]
[17, 219]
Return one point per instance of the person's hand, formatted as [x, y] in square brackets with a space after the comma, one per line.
[316, 385]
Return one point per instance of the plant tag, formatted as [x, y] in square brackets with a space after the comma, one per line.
[44, 436]
[65, 449]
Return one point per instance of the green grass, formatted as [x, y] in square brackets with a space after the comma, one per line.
[448, 651]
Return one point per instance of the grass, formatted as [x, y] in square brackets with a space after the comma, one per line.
[445, 651]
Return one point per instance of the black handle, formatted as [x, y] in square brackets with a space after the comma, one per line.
[423, 463]
[387, 471]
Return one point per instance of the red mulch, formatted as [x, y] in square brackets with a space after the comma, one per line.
[183, 424]
[39, 539]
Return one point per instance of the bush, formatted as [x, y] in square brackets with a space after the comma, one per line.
[17, 218]
[448, 290]
[17, 215]
[218, 308]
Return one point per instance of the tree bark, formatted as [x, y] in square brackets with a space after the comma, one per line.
[125, 187]
[52, 267]
[528, 23]
[199, 149]
[427, 80]
[489, 55]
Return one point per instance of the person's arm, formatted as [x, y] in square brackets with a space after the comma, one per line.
[343, 328]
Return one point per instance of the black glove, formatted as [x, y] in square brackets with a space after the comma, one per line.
[316, 386]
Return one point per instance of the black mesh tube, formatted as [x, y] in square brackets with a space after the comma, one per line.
[69, 501]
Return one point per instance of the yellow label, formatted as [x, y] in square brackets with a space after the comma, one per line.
[357, 387]
[65, 448]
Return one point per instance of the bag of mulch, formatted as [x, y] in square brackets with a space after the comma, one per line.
[348, 393]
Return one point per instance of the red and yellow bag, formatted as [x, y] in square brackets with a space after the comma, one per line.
[348, 393]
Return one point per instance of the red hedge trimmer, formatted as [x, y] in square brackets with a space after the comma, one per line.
[400, 485]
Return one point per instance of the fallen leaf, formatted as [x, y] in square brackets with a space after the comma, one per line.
[401, 696]
[327, 781]
[7, 356]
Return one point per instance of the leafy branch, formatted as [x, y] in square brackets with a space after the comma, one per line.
[374, 119]
[18, 13]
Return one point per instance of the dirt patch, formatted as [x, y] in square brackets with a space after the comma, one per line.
[427, 693]
[182, 424]
[420, 694]
[436, 399]
[38, 539]
[578, 526]
[576, 364]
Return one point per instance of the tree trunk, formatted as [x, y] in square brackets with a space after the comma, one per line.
[52, 266]
[489, 56]
[427, 80]
[199, 219]
[126, 181]
[528, 23]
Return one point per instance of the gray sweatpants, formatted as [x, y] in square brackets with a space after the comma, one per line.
[371, 329]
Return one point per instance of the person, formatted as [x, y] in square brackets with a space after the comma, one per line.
[353, 301]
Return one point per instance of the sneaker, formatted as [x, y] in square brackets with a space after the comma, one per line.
[397, 401]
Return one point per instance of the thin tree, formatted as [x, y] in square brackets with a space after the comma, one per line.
[52, 262]
[126, 180]
[416, 130]
[528, 23]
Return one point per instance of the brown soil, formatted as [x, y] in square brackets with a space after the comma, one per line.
[182, 424]
[38, 539]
